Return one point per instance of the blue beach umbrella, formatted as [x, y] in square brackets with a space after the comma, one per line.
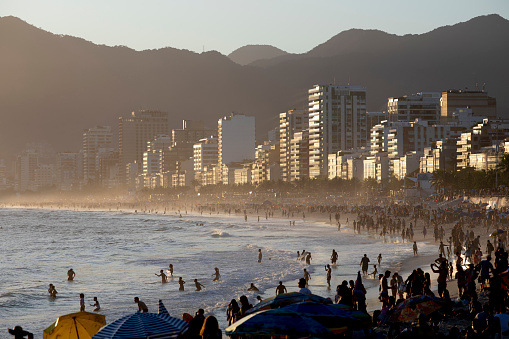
[143, 326]
[162, 310]
[278, 322]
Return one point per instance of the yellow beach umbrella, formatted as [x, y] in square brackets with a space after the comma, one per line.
[80, 325]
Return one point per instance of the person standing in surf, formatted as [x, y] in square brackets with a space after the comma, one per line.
[71, 274]
[329, 274]
[181, 284]
[163, 277]
[198, 285]
[216, 274]
[260, 255]
[364, 264]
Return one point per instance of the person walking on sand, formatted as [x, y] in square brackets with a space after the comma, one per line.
[364, 264]
[280, 289]
[70, 275]
[415, 248]
[96, 305]
[82, 302]
[141, 305]
[198, 285]
[259, 255]
[181, 284]
[216, 274]
[164, 279]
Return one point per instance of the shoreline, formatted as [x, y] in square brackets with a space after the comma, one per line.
[403, 267]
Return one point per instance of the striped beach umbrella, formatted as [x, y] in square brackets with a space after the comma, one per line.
[162, 309]
[143, 326]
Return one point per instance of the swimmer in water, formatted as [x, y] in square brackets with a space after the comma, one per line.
[163, 277]
[169, 271]
[198, 285]
[52, 291]
[181, 284]
[253, 288]
[96, 305]
[70, 275]
[216, 274]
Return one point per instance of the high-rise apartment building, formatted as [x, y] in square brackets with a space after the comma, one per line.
[205, 155]
[290, 122]
[94, 139]
[337, 121]
[191, 132]
[236, 138]
[481, 104]
[135, 131]
[424, 106]
[68, 170]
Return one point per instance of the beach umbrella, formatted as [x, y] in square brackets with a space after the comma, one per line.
[143, 326]
[497, 232]
[284, 299]
[410, 308]
[162, 309]
[80, 325]
[279, 322]
[476, 214]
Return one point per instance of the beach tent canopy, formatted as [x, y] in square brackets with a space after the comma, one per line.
[82, 325]
[284, 299]
[279, 322]
[144, 326]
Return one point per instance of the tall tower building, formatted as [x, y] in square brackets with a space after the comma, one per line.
[337, 121]
[290, 122]
[135, 131]
[236, 138]
[94, 139]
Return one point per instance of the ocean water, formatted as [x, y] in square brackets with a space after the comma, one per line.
[115, 255]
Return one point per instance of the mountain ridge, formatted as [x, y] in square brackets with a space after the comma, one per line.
[52, 87]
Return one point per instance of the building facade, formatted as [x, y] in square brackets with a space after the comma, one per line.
[135, 131]
[337, 121]
[236, 139]
[94, 139]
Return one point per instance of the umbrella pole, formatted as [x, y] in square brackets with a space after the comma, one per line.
[76, 327]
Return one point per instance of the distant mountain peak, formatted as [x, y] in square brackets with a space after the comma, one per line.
[251, 53]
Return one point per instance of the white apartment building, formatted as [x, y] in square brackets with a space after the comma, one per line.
[337, 121]
[94, 139]
[26, 165]
[299, 156]
[236, 139]
[205, 155]
[291, 122]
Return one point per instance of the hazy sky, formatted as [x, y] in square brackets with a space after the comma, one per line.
[224, 25]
